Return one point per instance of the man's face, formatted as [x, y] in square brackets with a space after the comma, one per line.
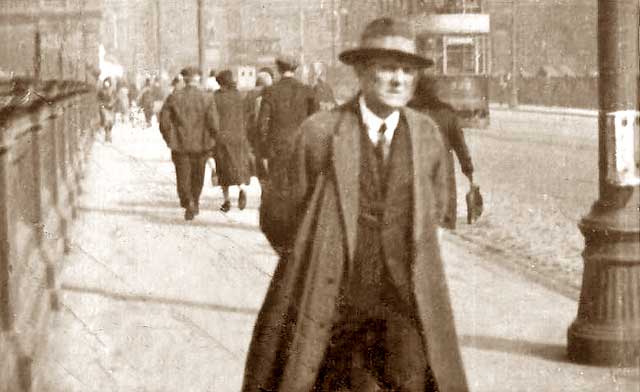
[387, 82]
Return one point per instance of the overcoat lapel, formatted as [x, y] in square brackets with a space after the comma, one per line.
[346, 164]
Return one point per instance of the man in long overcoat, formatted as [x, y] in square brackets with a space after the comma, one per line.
[284, 106]
[359, 299]
[188, 121]
[426, 99]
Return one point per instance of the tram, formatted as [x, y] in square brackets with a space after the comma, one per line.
[458, 43]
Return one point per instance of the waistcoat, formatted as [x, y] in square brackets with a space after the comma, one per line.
[378, 277]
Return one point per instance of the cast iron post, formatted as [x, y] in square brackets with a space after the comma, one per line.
[513, 98]
[607, 328]
[201, 43]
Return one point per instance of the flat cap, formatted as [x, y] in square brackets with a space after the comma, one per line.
[287, 62]
[190, 72]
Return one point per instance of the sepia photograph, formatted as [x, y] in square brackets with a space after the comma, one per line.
[319, 195]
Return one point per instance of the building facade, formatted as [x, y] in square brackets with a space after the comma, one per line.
[550, 34]
[50, 39]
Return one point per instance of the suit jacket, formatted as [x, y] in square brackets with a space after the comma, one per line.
[315, 233]
[284, 106]
[189, 120]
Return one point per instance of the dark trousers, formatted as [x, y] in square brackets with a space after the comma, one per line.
[380, 354]
[190, 168]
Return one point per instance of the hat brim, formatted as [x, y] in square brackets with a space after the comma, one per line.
[361, 55]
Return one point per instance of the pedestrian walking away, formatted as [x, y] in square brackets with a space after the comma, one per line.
[426, 100]
[322, 89]
[359, 299]
[283, 107]
[232, 150]
[188, 121]
[107, 101]
[151, 92]
[252, 103]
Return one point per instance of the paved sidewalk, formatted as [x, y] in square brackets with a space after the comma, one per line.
[153, 303]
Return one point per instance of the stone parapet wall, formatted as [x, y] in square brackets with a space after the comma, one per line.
[46, 132]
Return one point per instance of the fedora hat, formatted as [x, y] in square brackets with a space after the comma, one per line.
[386, 37]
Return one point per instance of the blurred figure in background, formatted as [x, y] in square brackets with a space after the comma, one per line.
[426, 99]
[232, 151]
[188, 121]
[212, 82]
[146, 101]
[176, 84]
[284, 106]
[322, 89]
[107, 101]
[252, 103]
[122, 102]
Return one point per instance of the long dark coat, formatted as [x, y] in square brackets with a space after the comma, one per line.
[426, 100]
[453, 138]
[233, 163]
[188, 121]
[294, 325]
[284, 106]
[251, 112]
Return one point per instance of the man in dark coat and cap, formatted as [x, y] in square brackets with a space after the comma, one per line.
[426, 99]
[284, 106]
[188, 122]
[359, 300]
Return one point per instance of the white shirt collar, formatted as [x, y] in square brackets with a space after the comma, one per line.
[373, 123]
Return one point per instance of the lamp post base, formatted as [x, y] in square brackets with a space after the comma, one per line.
[614, 345]
[606, 331]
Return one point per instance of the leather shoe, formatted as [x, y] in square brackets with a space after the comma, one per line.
[242, 200]
[226, 206]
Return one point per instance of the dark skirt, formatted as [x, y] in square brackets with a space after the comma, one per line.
[233, 163]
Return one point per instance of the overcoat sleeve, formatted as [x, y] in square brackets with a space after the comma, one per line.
[458, 144]
[164, 123]
[439, 178]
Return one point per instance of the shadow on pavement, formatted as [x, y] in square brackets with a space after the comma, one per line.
[549, 352]
[158, 300]
[151, 204]
[169, 219]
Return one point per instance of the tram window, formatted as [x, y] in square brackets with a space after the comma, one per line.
[461, 59]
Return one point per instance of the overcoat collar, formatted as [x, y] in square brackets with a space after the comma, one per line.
[346, 164]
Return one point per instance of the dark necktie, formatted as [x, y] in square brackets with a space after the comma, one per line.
[381, 145]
